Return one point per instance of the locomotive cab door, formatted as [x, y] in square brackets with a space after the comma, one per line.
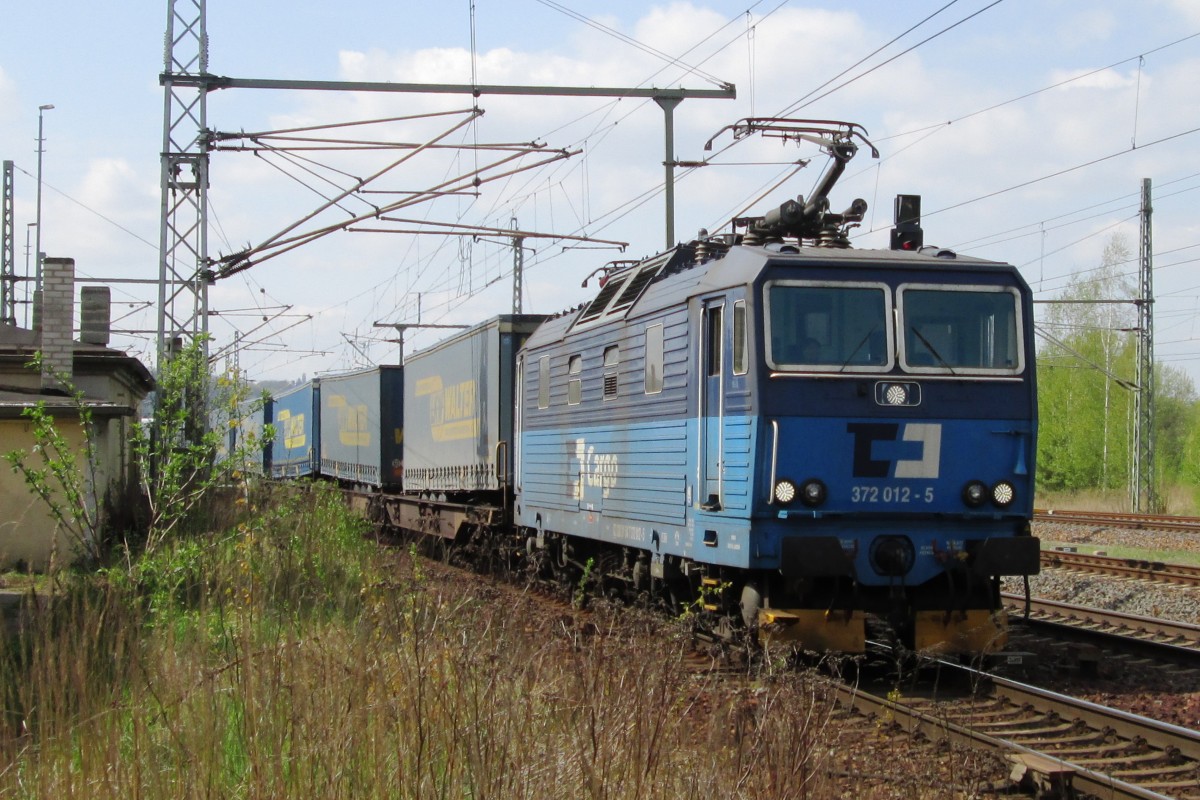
[711, 411]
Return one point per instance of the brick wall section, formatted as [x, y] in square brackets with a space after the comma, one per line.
[57, 317]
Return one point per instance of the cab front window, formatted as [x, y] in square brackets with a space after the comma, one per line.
[827, 327]
[960, 329]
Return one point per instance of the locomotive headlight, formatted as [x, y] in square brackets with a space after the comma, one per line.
[975, 493]
[896, 395]
[1003, 494]
[813, 493]
[784, 492]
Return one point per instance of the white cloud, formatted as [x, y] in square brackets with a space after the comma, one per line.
[347, 281]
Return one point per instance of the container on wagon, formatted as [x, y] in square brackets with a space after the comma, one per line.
[361, 426]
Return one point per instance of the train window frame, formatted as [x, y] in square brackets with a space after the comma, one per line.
[800, 367]
[1018, 319]
[714, 341]
[544, 382]
[574, 379]
[741, 340]
[612, 359]
[655, 358]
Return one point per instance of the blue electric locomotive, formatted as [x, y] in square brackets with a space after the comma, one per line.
[792, 431]
[796, 435]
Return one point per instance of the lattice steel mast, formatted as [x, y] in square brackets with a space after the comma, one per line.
[184, 268]
[8, 273]
[1144, 495]
[183, 232]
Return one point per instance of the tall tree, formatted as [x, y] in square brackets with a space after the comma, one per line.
[1086, 382]
[1086, 375]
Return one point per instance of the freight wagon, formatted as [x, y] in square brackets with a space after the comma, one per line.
[361, 427]
[296, 443]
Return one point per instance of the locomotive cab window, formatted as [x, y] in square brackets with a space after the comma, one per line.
[544, 382]
[714, 338]
[741, 353]
[574, 380]
[828, 327]
[960, 329]
[654, 359]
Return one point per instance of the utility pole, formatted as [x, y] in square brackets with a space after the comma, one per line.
[518, 245]
[38, 254]
[401, 327]
[1143, 493]
[667, 104]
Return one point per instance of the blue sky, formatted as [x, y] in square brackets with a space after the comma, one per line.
[98, 64]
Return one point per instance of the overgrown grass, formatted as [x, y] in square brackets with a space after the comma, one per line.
[288, 657]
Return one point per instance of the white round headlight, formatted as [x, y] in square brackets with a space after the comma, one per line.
[1003, 494]
[896, 395]
[785, 492]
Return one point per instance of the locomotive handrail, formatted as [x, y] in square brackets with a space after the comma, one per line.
[502, 472]
[774, 461]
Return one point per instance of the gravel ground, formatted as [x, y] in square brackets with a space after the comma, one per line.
[1129, 596]
[1073, 533]
[1170, 696]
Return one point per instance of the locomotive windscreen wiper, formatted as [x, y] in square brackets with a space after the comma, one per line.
[932, 349]
[850, 357]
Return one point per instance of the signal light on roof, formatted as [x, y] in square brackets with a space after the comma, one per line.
[907, 233]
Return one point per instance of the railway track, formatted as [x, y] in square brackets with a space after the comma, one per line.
[1111, 624]
[1142, 569]
[1118, 520]
[1076, 638]
[1059, 744]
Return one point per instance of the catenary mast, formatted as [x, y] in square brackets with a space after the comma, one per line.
[183, 231]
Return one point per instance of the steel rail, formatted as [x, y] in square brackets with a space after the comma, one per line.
[1143, 569]
[1116, 619]
[1169, 740]
[1120, 520]
[1160, 639]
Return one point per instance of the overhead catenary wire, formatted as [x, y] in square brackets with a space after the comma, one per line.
[582, 212]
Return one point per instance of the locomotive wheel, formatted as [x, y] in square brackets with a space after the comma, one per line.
[751, 604]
